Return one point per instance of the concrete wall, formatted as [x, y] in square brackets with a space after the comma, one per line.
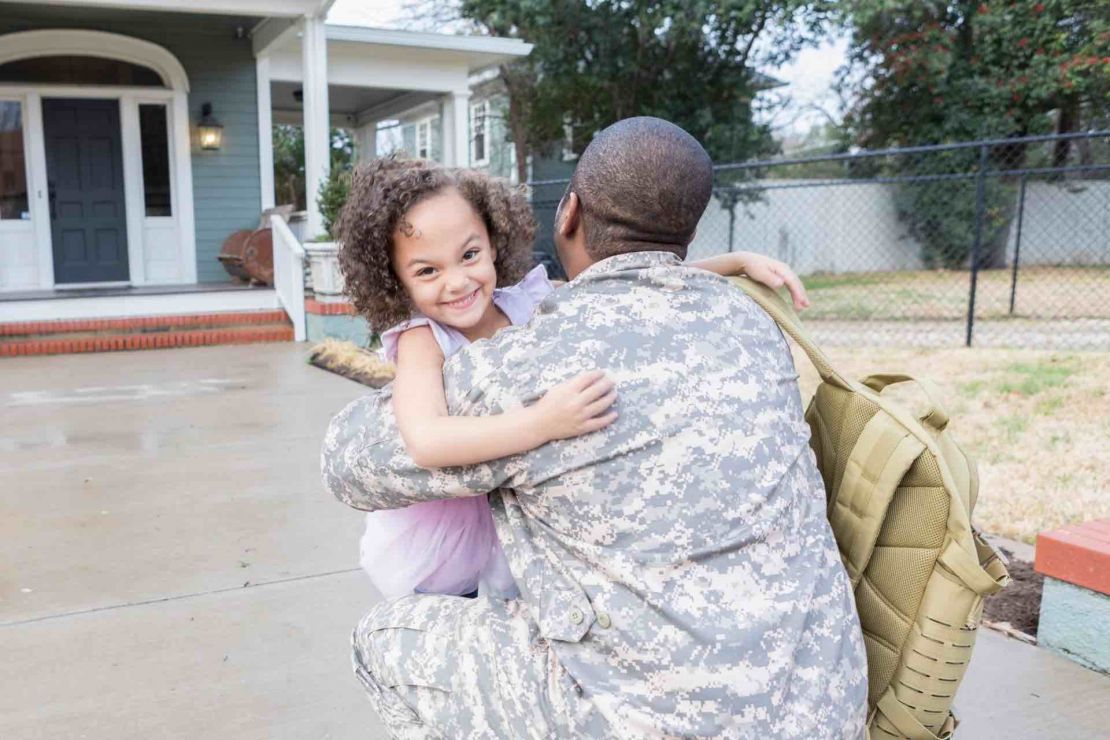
[347, 328]
[221, 69]
[1075, 622]
[828, 228]
[855, 227]
[1065, 223]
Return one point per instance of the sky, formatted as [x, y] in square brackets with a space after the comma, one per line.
[809, 76]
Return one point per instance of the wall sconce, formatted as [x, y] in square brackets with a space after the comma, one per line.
[211, 132]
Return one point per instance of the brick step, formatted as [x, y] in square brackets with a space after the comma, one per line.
[53, 344]
[142, 324]
[1078, 554]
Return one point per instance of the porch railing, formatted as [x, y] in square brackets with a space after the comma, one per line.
[289, 274]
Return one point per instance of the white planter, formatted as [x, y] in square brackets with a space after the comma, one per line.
[323, 261]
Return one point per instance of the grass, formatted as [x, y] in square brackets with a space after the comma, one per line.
[1037, 422]
[1042, 292]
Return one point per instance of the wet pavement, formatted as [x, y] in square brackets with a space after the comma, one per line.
[170, 566]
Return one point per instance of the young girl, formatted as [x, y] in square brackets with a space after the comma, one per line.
[439, 256]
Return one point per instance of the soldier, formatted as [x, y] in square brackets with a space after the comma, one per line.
[678, 576]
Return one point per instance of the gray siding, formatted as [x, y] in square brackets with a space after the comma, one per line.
[221, 69]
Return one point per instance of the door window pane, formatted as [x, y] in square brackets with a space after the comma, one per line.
[13, 166]
[156, 159]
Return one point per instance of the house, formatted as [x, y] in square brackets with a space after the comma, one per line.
[135, 137]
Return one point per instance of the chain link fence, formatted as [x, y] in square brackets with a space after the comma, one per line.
[1002, 243]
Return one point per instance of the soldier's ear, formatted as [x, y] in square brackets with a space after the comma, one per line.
[569, 215]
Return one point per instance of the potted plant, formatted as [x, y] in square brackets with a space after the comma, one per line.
[322, 251]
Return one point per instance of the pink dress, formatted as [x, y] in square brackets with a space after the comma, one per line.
[447, 546]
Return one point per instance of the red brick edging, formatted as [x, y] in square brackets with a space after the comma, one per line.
[141, 323]
[313, 306]
[122, 342]
[1077, 553]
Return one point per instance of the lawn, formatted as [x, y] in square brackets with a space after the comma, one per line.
[1042, 292]
[1037, 422]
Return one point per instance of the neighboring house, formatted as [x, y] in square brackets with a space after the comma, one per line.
[114, 198]
[417, 131]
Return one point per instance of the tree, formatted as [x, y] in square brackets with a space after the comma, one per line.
[595, 62]
[937, 72]
[288, 141]
[948, 71]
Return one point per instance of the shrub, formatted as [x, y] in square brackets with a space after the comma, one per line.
[333, 194]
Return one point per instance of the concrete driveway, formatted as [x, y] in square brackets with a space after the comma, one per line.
[171, 568]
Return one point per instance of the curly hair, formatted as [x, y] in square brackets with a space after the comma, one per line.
[383, 191]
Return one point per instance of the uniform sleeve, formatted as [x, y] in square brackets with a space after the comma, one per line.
[365, 465]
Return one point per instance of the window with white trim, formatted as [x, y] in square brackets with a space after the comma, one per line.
[424, 138]
[479, 126]
[13, 163]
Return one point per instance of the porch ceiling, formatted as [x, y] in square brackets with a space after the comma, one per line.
[344, 99]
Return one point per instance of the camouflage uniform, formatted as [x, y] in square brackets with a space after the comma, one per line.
[677, 571]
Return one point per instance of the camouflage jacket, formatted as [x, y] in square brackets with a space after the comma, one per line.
[679, 562]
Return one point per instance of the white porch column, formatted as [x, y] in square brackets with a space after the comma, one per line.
[317, 130]
[265, 132]
[456, 129]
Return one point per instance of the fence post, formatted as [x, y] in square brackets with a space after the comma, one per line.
[980, 208]
[1017, 245]
[731, 225]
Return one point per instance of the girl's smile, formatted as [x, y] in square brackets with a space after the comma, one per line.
[465, 302]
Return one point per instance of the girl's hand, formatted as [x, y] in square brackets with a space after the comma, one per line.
[775, 274]
[578, 406]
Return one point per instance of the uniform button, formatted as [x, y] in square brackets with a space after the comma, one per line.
[576, 616]
[603, 621]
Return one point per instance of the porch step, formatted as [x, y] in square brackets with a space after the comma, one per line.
[143, 332]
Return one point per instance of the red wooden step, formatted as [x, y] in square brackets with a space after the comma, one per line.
[1078, 554]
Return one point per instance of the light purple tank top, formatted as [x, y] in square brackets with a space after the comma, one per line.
[517, 302]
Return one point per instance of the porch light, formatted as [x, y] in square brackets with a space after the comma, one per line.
[211, 132]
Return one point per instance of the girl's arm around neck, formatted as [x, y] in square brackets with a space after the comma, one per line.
[770, 272]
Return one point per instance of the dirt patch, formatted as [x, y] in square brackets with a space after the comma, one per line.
[1019, 604]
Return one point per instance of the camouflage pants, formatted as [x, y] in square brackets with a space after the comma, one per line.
[448, 667]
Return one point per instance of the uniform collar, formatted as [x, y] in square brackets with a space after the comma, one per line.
[627, 261]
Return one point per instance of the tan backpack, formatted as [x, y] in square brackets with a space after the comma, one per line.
[900, 495]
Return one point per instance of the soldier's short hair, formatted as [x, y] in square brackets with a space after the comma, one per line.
[642, 185]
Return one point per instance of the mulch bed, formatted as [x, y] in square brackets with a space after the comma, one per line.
[1019, 604]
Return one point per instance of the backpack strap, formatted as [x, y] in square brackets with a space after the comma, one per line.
[936, 417]
[784, 316]
[876, 465]
[898, 715]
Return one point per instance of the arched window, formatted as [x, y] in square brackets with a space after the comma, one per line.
[79, 70]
